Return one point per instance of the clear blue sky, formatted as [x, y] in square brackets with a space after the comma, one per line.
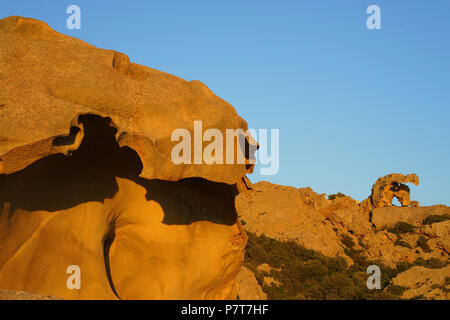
[351, 104]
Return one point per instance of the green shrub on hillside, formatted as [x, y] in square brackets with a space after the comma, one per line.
[308, 274]
[400, 242]
[347, 241]
[431, 263]
[402, 227]
[336, 195]
[435, 218]
[422, 243]
[397, 290]
[403, 266]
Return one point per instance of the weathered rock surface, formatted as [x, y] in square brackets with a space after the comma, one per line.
[381, 246]
[353, 220]
[425, 283]
[21, 295]
[440, 235]
[48, 80]
[86, 176]
[388, 216]
[249, 288]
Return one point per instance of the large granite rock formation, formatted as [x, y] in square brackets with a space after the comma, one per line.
[86, 176]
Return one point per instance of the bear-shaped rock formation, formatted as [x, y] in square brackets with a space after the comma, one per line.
[393, 185]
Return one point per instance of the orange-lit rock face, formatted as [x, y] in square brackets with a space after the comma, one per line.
[386, 188]
[86, 176]
[48, 80]
[132, 238]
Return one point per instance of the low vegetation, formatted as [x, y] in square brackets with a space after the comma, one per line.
[336, 195]
[402, 243]
[401, 228]
[435, 218]
[422, 243]
[308, 274]
[431, 263]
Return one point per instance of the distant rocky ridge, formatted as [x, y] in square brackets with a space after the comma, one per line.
[374, 228]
